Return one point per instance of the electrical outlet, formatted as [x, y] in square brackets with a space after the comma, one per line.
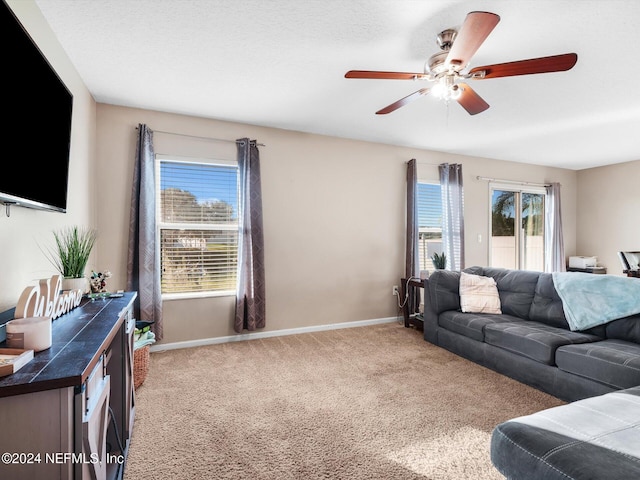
[395, 292]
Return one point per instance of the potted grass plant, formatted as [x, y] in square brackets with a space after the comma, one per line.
[73, 246]
[439, 261]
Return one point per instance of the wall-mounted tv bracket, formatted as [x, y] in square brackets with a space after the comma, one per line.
[7, 207]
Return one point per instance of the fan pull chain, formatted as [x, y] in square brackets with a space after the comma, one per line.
[446, 120]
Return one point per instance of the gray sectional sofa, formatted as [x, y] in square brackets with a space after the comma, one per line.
[595, 437]
[530, 340]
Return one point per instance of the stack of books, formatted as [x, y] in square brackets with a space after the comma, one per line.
[13, 359]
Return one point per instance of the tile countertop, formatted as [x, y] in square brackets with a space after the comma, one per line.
[79, 337]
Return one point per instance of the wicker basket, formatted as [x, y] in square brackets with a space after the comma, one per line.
[140, 365]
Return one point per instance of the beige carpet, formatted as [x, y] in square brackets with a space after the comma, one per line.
[358, 403]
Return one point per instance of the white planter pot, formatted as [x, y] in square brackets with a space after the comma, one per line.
[76, 284]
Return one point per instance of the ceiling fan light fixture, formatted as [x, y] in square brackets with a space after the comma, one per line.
[454, 92]
[445, 89]
[439, 90]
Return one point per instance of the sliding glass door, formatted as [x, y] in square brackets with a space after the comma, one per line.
[517, 228]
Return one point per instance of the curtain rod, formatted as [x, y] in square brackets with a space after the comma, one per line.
[202, 138]
[514, 182]
[429, 164]
[426, 163]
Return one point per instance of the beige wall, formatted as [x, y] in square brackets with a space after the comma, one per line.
[334, 216]
[609, 213]
[333, 210]
[27, 232]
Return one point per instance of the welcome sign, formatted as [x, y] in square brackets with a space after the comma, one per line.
[46, 300]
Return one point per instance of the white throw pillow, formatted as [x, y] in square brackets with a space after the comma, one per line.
[479, 294]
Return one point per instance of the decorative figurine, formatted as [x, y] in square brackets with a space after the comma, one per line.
[98, 281]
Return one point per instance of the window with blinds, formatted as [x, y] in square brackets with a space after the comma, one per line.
[198, 226]
[429, 223]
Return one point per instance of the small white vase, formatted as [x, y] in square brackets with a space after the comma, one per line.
[81, 283]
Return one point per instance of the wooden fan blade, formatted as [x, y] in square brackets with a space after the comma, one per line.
[403, 101]
[554, 63]
[384, 75]
[470, 100]
[474, 31]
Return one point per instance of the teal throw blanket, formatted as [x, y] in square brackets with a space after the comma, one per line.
[590, 299]
[143, 339]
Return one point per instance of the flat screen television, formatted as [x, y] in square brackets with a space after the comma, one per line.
[36, 132]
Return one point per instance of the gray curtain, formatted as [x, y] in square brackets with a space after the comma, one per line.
[411, 250]
[452, 214]
[250, 295]
[554, 242]
[143, 265]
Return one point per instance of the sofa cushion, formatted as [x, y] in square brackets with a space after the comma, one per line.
[534, 340]
[596, 437]
[472, 324]
[444, 290]
[517, 289]
[613, 362]
[546, 306]
[478, 294]
[627, 328]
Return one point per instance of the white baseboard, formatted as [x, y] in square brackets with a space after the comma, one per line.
[274, 333]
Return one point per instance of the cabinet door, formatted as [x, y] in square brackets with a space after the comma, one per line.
[94, 434]
[120, 369]
[130, 401]
[39, 423]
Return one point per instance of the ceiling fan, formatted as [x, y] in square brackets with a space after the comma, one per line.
[446, 69]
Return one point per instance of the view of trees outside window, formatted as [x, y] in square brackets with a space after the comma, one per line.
[429, 223]
[198, 226]
[522, 247]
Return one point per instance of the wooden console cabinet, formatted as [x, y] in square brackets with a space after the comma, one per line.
[69, 412]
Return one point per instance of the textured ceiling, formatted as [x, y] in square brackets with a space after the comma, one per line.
[282, 64]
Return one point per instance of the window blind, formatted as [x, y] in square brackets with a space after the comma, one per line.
[198, 226]
[429, 223]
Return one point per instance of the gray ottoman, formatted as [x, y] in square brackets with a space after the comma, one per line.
[594, 438]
